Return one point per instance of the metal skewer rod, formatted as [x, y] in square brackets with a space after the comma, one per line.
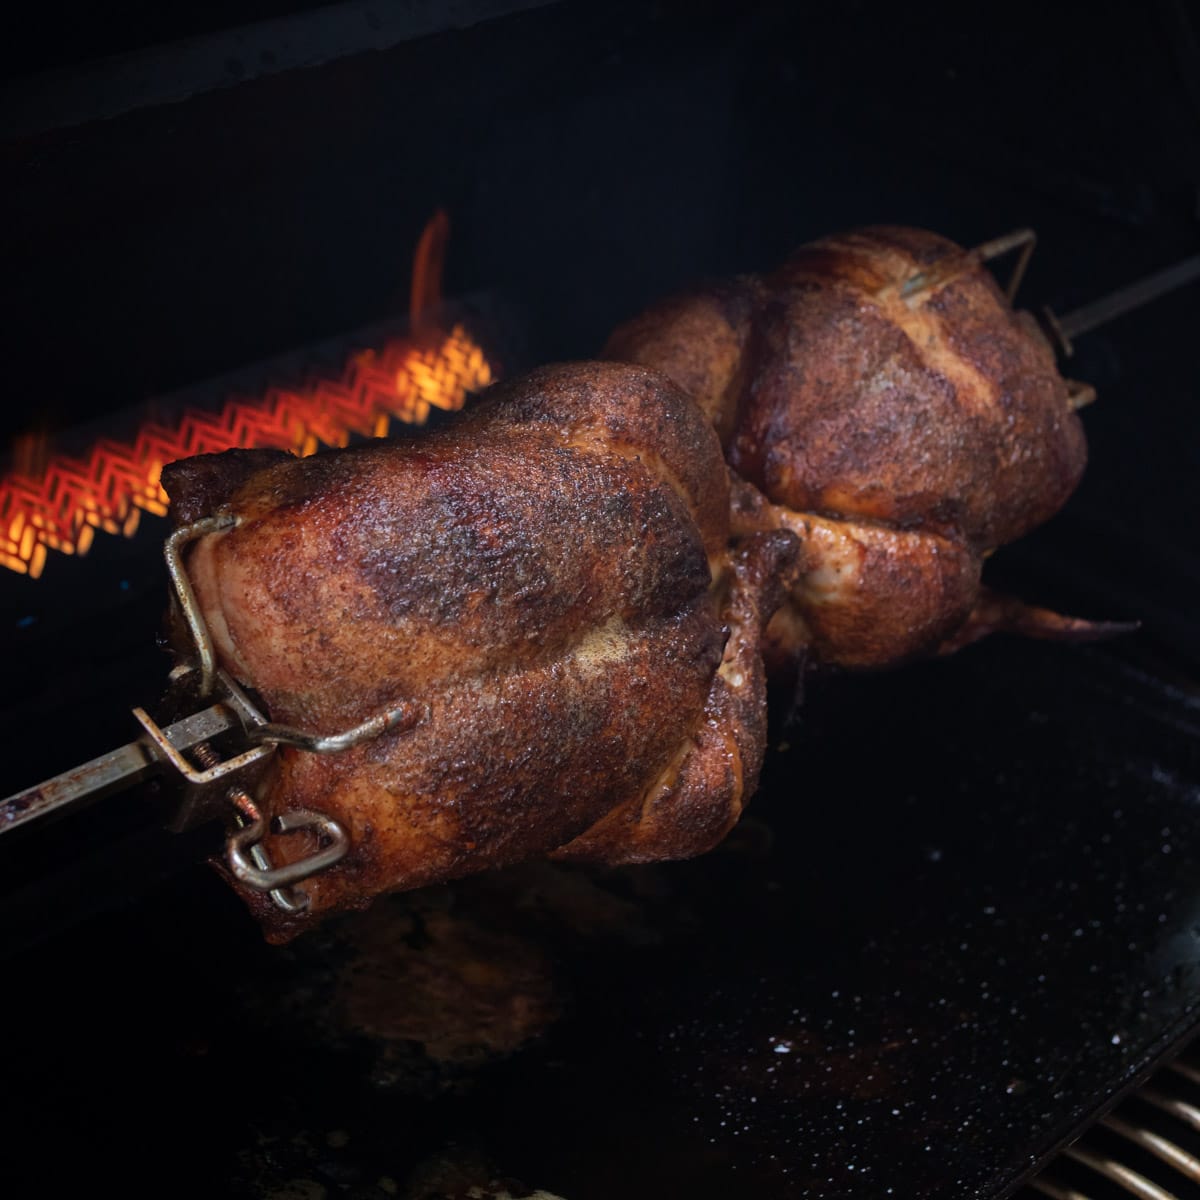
[112, 771]
[1116, 304]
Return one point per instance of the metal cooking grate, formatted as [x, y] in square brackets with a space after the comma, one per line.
[1148, 1147]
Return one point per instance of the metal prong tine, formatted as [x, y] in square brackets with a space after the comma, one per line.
[173, 553]
[1023, 239]
[1131, 1181]
[402, 717]
[1189, 1114]
[951, 266]
[1079, 395]
[1057, 334]
[1157, 1145]
[1048, 1187]
[1186, 1070]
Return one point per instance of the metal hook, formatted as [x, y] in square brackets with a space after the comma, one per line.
[403, 717]
[244, 852]
[213, 771]
[1020, 239]
[946, 269]
[173, 553]
[248, 861]
[1079, 395]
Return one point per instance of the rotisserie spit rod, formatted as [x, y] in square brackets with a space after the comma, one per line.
[219, 753]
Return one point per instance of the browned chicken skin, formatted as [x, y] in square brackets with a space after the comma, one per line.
[547, 584]
[889, 407]
[571, 598]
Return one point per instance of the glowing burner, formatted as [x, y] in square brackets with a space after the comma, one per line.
[60, 506]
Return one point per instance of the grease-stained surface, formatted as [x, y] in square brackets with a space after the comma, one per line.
[962, 910]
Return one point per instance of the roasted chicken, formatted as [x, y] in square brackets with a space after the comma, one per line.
[888, 405]
[546, 587]
[567, 595]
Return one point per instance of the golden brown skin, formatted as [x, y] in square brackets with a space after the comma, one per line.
[547, 581]
[901, 431]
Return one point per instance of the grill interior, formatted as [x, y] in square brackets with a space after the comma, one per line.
[962, 915]
[1148, 1146]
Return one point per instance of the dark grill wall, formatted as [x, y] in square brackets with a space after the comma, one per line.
[590, 156]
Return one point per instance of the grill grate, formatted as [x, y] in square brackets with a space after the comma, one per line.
[1148, 1147]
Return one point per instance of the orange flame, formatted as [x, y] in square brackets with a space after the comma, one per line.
[61, 507]
[428, 266]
